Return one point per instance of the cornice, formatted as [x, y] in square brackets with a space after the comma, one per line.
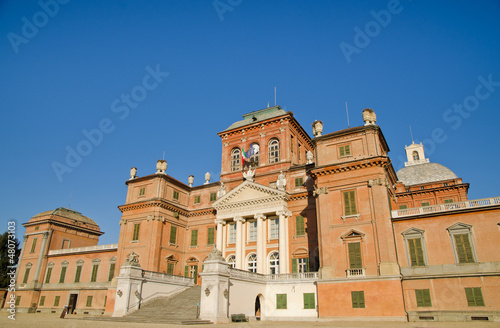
[64, 225]
[378, 161]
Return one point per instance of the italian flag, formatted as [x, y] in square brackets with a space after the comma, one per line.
[243, 156]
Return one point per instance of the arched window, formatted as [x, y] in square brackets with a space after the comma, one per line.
[252, 263]
[235, 160]
[274, 151]
[415, 155]
[231, 260]
[274, 263]
[253, 154]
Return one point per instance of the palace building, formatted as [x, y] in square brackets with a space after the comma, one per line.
[297, 227]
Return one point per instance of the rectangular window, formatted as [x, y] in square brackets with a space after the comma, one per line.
[63, 274]
[416, 252]
[47, 276]
[281, 301]
[105, 300]
[355, 261]
[194, 237]
[173, 234]
[42, 300]
[275, 229]
[33, 245]
[300, 265]
[309, 301]
[300, 227]
[78, 273]
[111, 273]
[65, 244]
[135, 236]
[26, 275]
[299, 152]
[176, 195]
[464, 249]
[56, 300]
[474, 296]
[345, 151]
[232, 233]
[252, 230]
[358, 299]
[299, 182]
[213, 196]
[93, 277]
[291, 144]
[403, 207]
[18, 300]
[170, 268]
[211, 236]
[197, 199]
[423, 297]
[89, 301]
[423, 204]
[142, 191]
[350, 202]
[447, 201]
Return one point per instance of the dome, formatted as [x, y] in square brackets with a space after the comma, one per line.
[66, 213]
[424, 173]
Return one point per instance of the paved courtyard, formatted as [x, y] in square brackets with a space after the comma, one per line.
[53, 321]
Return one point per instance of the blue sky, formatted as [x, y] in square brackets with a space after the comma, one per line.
[167, 76]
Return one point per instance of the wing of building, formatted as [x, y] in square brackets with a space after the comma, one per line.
[297, 227]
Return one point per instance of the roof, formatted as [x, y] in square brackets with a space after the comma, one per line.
[424, 173]
[256, 116]
[67, 213]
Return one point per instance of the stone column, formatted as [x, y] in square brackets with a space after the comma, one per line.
[40, 258]
[239, 242]
[214, 300]
[218, 241]
[283, 244]
[224, 238]
[261, 243]
[25, 240]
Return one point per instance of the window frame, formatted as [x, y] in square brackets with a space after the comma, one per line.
[344, 150]
[273, 151]
[423, 297]
[62, 274]
[347, 202]
[462, 229]
[474, 296]
[173, 235]
[358, 299]
[251, 262]
[413, 234]
[309, 301]
[137, 229]
[194, 238]
[281, 302]
[235, 160]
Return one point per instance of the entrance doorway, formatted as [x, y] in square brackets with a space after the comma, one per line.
[72, 303]
[258, 310]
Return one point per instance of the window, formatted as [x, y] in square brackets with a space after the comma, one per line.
[447, 201]
[463, 243]
[358, 299]
[197, 199]
[65, 244]
[415, 247]
[173, 234]
[176, 195]
[275, 229]
[211, 236]
[350, 202]
[299, 151]
[299, 182]
[49, 273]
[415, 155]
[232, 233]
[142, 191]
[252, 230]
[291, 144]
[42, 300]
[403, 207]
[135, 236]
[274, 151]
[300, 228]
[423, 297]
[355, 261]
[63, 273]
[89, 301]
[56, 300]
[252, 263]
[105, 300]
[235, 160]
[474, 296]
[111, 273]
[18, 300]
[423, 204]
[231, 260]
[345, 151]
[213, 196]
[300, 265]
[281, 301]
[445, 184]
[274, 263]
[194, 238]
[309, 301]
[27, 273]
[33, 245]
[170, 268]
[253, 154]
[95, 269]
[78, 273]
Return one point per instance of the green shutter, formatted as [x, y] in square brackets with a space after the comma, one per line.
[342, 151]
[26, 275]
[33, 245]
[307, 264]
[416, 252]
[136, 231]
[89, 301]
[170, 268]
[195, 274]
[49, 273]
[211, 236]
[78, 273]
[423, 297]
[95, 267]
[18, 300]
[63, 274]
[309, 301]
[347, 150]
[42, 301]
[56, 300]
[194, 237]
[281, 302]
[105, 300]
[186, 271]
[464, 250]
[358, 299]
[300, 229]
[173, 234]
[474, 296]
[355, 255]
[111, 273]
[294, 265]
[213, 196]
[350, 202]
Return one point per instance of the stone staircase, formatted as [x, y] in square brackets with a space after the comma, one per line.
[179, 309]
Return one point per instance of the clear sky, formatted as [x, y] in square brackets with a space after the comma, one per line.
[89, 89]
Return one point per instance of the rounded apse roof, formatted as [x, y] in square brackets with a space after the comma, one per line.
[424, 173]
[67, 213]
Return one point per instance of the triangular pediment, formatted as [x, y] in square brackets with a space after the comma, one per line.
[249, 192]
